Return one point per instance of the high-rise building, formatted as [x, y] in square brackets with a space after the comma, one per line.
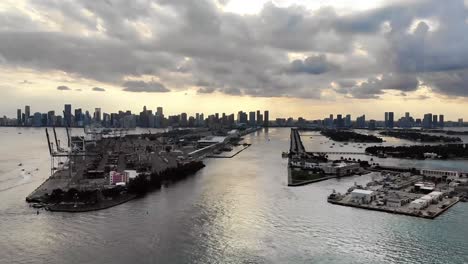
[435, 123]
[183, 120]
[372, 124]
[19, 118]
[347, 121]
[37, 119]
[252, 121]
[361, 121]
[78, 117]
[27, 114]
[391, 120]
[51, 118]
[241, 117]
[339, 121]
[386, 120]
[97, 114]
[266, 118]
[67, 115]
[427, 121]
[159, 111]
[441, 121]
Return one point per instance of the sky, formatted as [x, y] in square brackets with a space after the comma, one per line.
[298, 58]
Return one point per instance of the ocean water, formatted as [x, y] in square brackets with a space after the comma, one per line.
[237, 210]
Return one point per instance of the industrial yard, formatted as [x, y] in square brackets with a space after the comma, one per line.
[420, 194]
[93, 171]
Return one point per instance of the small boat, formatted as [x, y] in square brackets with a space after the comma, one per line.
[37, 205]
[21, 164]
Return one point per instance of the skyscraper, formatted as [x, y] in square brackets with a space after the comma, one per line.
[78, 117]
[159, 111]
[266, 118]
[347, 121]
[389, 120]
[27, 114]
[97, 114]
[51, 118]
[67, 115]
[361, 121]
[441, 121]
[434, 121]
[339, 121]
[252, 118]
[19, 120]
[386, 120]
[427, 121]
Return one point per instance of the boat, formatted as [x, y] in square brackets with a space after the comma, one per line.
[21, 164]
[285, 154]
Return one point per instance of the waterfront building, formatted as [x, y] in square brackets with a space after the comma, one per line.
[372, 124]
[362, 196]
[435, 123]
[427, 121]
[361, 121]
[19, 117]
[441, 121]
[241, 117]
[266, 118]
[117, 177]
[37, 119]
[441, 174]
[396, 200]
[418, 204]
[252, 118]
[67, 115]
[27, 114]
[339, 121]
[347, 121]
[389, 120]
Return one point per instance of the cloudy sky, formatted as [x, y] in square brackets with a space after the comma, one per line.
[295, 57]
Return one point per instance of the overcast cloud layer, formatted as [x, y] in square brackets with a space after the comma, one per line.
[170, 45]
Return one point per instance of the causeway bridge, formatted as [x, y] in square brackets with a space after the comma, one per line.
[338, 153]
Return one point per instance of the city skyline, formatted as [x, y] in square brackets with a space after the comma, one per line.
[157, 119]
[339, 56]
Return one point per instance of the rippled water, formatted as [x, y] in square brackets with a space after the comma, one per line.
[233, 211]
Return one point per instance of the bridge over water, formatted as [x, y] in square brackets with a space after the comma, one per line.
[337, 152]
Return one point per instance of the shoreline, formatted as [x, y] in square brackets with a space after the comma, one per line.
[380, 209]
[94, 207]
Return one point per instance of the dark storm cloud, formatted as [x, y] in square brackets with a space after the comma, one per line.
[147, 87]
[181, 41]
[312, 65]
[98, 89]
[206, 90]
[373, 87]
[63, 88]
